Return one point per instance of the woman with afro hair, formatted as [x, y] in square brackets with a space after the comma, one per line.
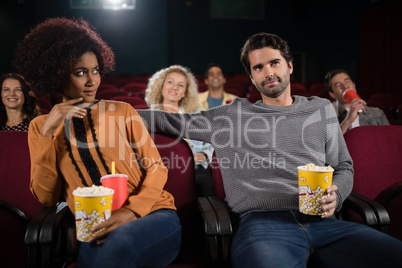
[18, 105]
[74, 145]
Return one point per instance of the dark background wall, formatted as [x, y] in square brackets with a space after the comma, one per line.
[323, 34]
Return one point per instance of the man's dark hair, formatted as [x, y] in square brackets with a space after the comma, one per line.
[330, 75]
[209, 67]
[261, 40]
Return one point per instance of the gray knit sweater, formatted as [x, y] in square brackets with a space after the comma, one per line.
[259, 147]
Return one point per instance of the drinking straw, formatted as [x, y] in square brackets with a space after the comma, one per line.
[113, 167]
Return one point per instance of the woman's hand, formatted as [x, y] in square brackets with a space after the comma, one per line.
[58, 113]
[118, 218]
[329, 201]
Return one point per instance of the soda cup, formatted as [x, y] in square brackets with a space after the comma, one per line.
[349, 95]
[117, 182]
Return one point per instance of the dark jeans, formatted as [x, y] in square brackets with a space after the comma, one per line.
[289, 239]
[150, 241]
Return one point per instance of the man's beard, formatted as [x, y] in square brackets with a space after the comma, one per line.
[274, 91]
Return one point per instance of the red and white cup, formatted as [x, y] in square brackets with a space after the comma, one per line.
[349, 95]
[117, 182]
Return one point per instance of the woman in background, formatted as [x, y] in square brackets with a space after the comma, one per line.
[174, 89]
[75, 144]
[18, 106]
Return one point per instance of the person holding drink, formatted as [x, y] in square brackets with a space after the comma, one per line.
[352, 111]
[259, 148]
[74, 145]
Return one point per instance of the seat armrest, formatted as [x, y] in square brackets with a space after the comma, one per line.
[223, 216]
[363, 209]
[215, 215]
[211, 226]
[218, 230]
[32, 234]
[19, 214]
[225, 230]
[52, 222]
[379, 210]
[57, 238]
[35, 225]
[387, 195]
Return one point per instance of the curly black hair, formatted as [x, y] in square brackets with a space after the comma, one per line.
[29, 107]
[47, 54]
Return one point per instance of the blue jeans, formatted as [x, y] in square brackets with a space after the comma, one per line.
[291, 239]
[151, 241]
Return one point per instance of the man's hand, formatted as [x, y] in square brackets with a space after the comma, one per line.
[356, 106]
[329, 201]
[200, 157]
[118, 218]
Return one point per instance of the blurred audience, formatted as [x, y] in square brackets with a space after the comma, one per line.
[174, 89]
[215, 95]
[353, 114]
[18, 105]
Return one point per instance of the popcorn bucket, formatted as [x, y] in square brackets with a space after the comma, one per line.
[91, 209]
[312, 187]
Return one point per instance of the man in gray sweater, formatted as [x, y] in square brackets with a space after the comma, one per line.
[259, 147]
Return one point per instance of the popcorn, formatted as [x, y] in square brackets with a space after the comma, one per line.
[92, 206]
[93, 190]
[313, 182]
[103, 201]
[82, 223]
[312, 167]
[310, 200]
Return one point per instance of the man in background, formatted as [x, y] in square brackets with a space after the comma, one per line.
[357, 113]
[215, 95]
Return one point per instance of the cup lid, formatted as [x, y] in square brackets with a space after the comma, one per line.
[113, 175]
[348, 89]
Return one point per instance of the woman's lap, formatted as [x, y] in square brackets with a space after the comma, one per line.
[150, 241]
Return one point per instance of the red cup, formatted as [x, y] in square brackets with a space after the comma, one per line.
[117, 182]
[350, 94]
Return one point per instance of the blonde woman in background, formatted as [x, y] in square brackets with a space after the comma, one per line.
[174, 89]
